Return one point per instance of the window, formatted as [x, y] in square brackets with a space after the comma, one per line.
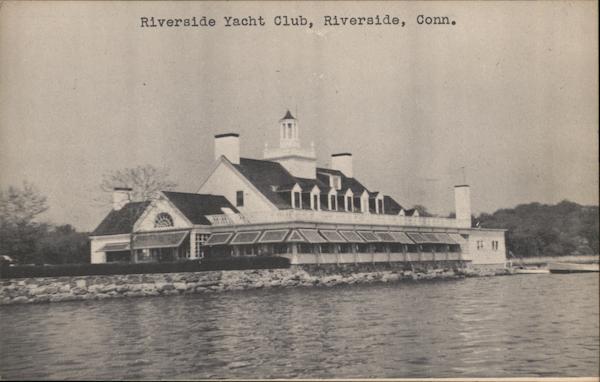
[200, 240]
[479, 244]
[163, 219]
[332, 201]
[297, 200]
[345, 248]
[349, 203]
[305, 248]
[315, 202]
[362, 248]
[494, 245]
[380, 206]
[239, 199]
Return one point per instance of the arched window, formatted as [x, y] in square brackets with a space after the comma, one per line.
[163, 220]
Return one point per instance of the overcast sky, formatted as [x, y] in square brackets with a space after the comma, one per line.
[510, 92]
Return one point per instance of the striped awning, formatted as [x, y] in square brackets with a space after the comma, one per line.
[369, 236]
[417, 238]
[352, 236]
[295, 237]
[273, 236]
[445, 238]
[386, 237]
[219, 238]
[312, 236]
[401, 237]
[458, 238]
[159, 240]
[248, 237]
[332, 236]
[115, 247]
[430, 238]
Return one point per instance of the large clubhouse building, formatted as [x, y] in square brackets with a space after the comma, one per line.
[285, 205]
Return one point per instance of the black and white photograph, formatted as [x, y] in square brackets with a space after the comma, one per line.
[299, 190]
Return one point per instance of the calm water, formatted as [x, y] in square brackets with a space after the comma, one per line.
[525, 325]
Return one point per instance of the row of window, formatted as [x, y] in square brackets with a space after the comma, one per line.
[286, 248]
[329, 202]
[481, 245]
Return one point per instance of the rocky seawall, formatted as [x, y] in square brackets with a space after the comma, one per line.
[47, 289]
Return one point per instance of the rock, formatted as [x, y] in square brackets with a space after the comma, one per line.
[78, 291]
[134, 294]
[20, 300]
[181, 286]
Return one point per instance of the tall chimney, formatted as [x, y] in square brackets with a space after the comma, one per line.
[228, 145]
[120, 197]
[462, 205]
[342, 162]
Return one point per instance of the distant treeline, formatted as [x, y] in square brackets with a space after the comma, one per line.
[536, 229]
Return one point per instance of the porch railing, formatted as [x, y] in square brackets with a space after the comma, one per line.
[291, 215]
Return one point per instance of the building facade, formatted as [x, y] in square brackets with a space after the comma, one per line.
[285, 205]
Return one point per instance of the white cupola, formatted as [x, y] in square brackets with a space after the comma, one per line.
[288, 132]
[298, 161]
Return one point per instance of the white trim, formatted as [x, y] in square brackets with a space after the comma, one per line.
[350, 194]
[152, 205]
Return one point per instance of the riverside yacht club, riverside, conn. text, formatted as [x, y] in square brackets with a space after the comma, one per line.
[290, 21]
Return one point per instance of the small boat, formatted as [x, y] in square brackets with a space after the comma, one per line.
[572, 268]
[530, 271]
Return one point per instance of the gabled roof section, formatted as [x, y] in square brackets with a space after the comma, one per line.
[121, 221]
[390, 206]
[195, 207]
[264, 175]
[288, 115]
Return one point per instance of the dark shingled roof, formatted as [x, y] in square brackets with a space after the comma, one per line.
[308, 184]
[390, 206]
[410, 212]
[275, 182]
[288, 115]
[347, 183]
[121, 221]
[265, 174]
[196, 206]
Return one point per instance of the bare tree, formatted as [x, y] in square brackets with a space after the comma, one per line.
[20, 206]
[19, 232]
[145, 181]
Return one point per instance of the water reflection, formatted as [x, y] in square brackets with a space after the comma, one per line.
[534, 325]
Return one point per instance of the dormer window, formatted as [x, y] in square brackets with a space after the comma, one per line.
[162, 220]
[297, 200]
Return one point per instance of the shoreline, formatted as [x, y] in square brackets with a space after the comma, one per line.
[81, 288]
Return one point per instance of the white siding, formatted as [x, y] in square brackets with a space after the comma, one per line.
[485, 253]
[147, 220]
[225, 181]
